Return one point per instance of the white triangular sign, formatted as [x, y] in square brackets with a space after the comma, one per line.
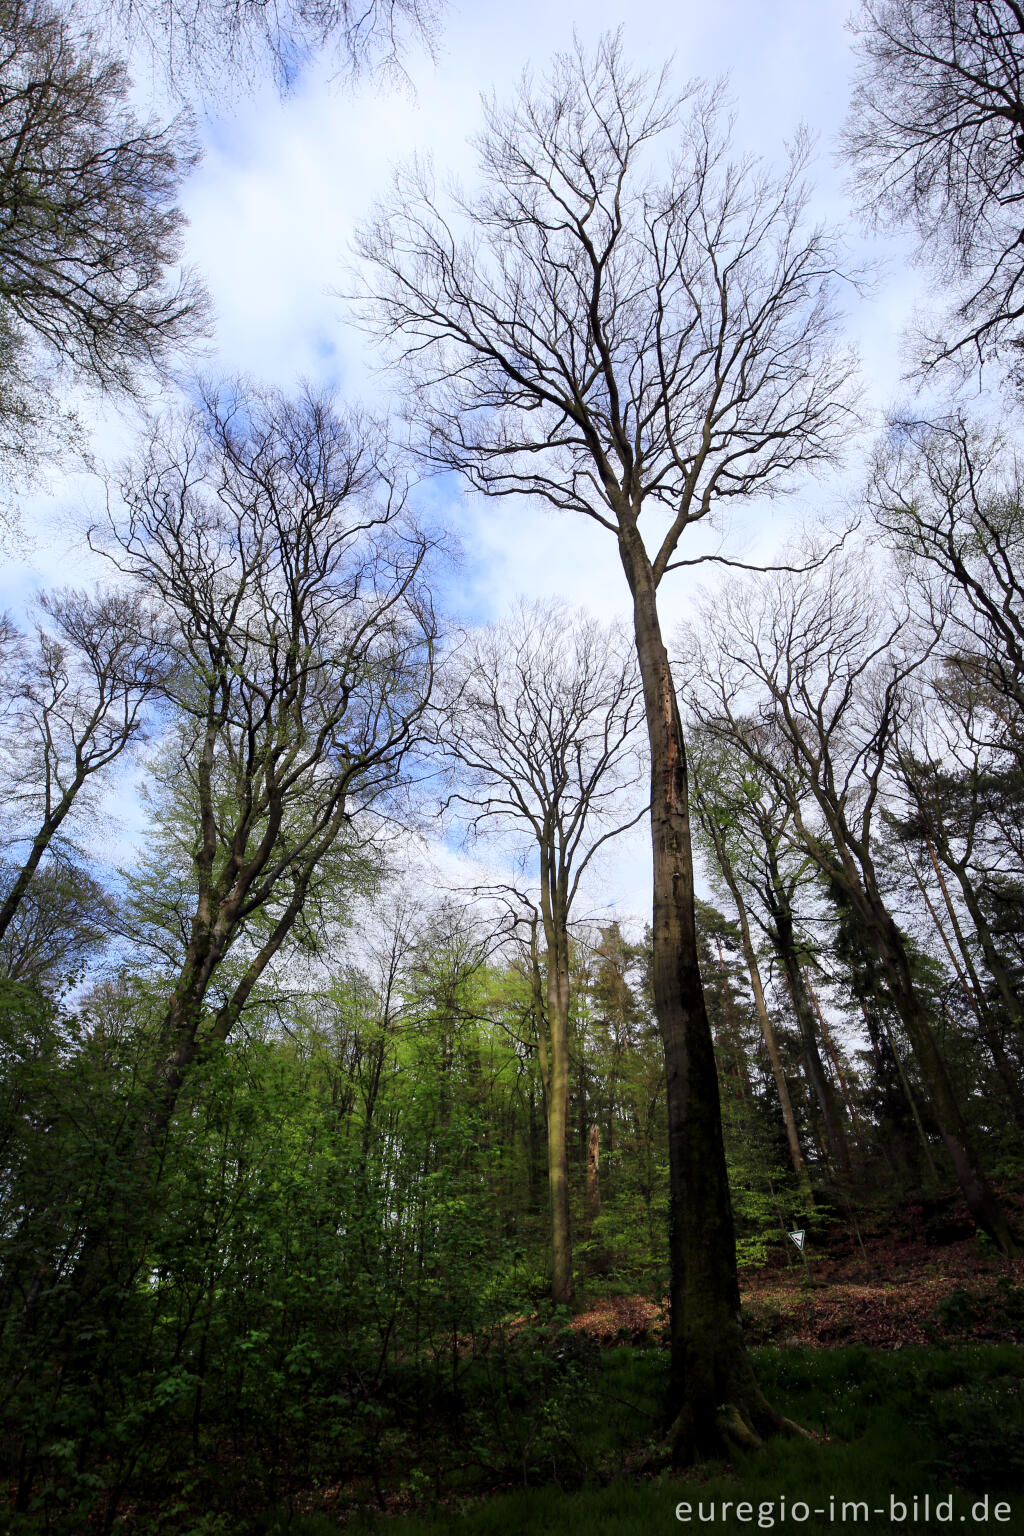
[798, 1238]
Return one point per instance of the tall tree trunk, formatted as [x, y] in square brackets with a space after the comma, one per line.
[40, 843]
[825, 1096]
[562, 1288]
[978, 1194]
[593, 1206]
[118, 1234]
[735, 1041]
[712, 1390]
[872, 930]
[535, 1155]
[796, 1155]
[833, 1055]
[552, 1016]
[968, 977]
[898, 1113]
[997, 967]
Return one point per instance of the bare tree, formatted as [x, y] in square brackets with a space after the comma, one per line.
[273, 533]
[948, 789]
[936, 141]
[807, 676]
[76, 700]
[949, 499]
[89, 230]
[635, 350]
[540, 714]
[212, 44]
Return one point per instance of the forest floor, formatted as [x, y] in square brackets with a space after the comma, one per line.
[887, 1427]
[896, 1345]
[933, 1283]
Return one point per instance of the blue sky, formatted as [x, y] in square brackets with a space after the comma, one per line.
[282, 185]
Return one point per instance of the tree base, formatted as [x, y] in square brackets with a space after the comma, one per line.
[733, 1428]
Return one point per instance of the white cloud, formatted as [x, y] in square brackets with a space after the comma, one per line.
[273, 206]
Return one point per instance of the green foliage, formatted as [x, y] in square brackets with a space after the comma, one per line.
[964, 1311]
[891, 1421]
[327, 1296]
[978, 1430]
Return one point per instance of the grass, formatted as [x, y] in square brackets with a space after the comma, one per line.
[936, 1421]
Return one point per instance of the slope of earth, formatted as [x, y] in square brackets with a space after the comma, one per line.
[931, 1281]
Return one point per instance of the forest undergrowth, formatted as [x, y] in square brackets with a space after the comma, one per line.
[901, 1355]
[903, 1358]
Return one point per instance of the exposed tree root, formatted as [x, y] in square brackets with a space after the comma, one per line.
[730, 1430]
[787, 1427]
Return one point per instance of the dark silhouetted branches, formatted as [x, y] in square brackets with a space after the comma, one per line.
[77, 695]
[936, 141]
[218, 45]
[90, 230]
